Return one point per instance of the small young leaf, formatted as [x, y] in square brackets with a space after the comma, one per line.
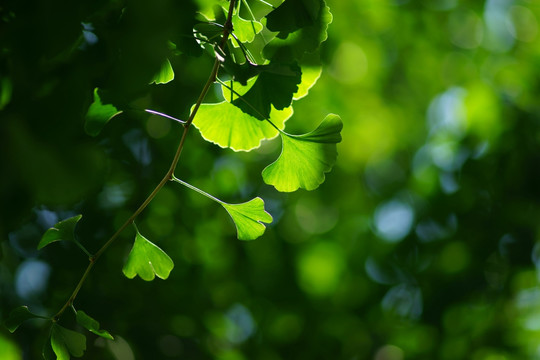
[98, 115]
[227, 126]
[147, 260]
[17, 316]
[245, 30]
[165, 74]
[92, 325]
[249, 218]
[64, 230]
[65, 342]
[305, 158]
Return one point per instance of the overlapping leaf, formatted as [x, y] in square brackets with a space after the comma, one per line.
[305, 158]
[245, 30]
[98, 115]
[91, 325]
[302, 26]
[17, 316]
[227, 126]
[147, 260]
[67, 342]
[274, 87]
[64, 230]
[249, 218]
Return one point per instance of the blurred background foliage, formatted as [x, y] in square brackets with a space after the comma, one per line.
[421, 244]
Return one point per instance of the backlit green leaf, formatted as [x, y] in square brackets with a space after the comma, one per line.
[305, 158]
[227, 126]
[310, 75]
[147, 260]
[98, 115]
[165, 74]
[92, 325]
[65, 342]
[275, 86]
[17, 316]
[245, 30]
[64, 230]
[249, 218]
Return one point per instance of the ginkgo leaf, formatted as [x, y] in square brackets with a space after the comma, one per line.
[91, 325]
[147, 260]
[274, 86]
[227, 126]
[165, 74]
[98, 115]
[245, 30]
[302, 26]
[249, 218]
[64, 230]
[17, 316]
[305, 158]
[310, 75]
[67, 342]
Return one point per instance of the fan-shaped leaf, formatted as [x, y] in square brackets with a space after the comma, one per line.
[165, 74]
[245, 30]
[147, 260]
[65, 342]
[92, 325]
[249, 218]
[98, 115]
[227, 126]
[305, 158]
[64, 230]
[17, 316]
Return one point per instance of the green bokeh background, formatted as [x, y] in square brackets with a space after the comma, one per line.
[421, 244]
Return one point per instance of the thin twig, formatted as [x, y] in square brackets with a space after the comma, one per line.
[227, 28]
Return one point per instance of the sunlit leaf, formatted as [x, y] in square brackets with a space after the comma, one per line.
[64, 230]
[147, 260]
[310, 75]
[17, 316]
[98, 115]
[275, 86]
[249, 218]
[305, 158]
[65, 342]
[165, 74]
[245, 30]
[92, 325]
[227, 126]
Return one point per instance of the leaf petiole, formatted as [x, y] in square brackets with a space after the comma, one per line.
[174, 178]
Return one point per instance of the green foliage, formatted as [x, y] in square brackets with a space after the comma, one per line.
[62, 231]
[91, 325]
[305, 158]
[98, 115]
[249, 218]
[165, 74]
[227, 126]
[65, 342]
[118, 52]
[17, 316]
[147, 260]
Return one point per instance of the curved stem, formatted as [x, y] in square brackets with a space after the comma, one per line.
[227, 28]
